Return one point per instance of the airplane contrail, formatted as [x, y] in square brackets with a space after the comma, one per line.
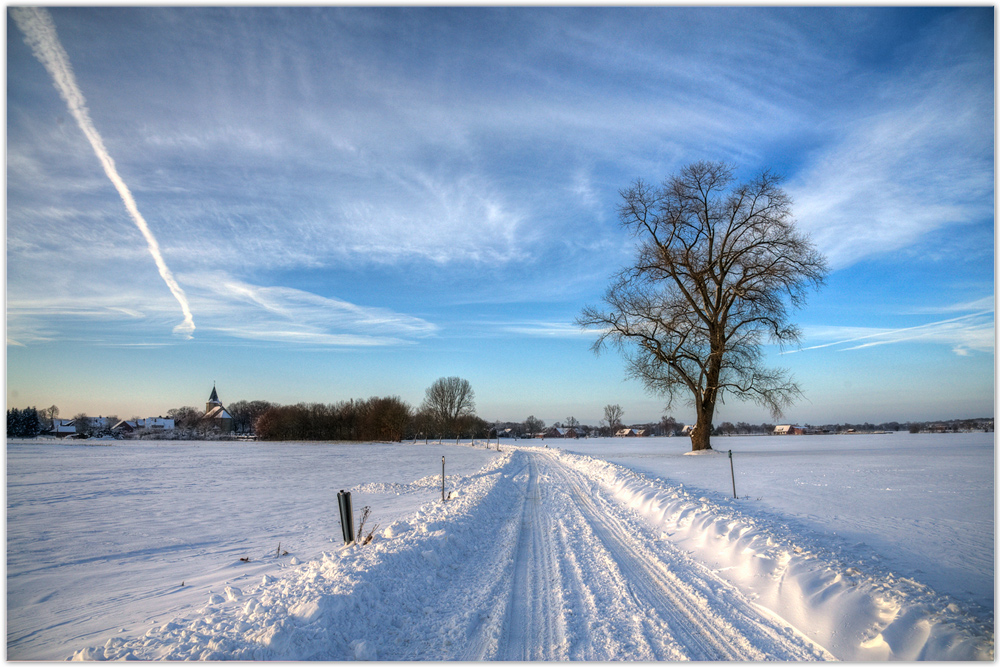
[923, 329]
[40, 34]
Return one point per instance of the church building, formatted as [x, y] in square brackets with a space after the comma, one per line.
[216, 414]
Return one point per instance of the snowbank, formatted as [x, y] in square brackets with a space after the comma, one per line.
[919, 505]
[857, 614]
[348, 603]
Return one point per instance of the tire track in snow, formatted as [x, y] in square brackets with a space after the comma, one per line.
[533, 628]
[652, 586]
[646, 610]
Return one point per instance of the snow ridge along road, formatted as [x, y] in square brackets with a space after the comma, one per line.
[532, 559]
[658, 604]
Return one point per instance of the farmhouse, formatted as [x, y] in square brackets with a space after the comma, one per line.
[71, 428]
[63, 427]
[560, 432]
[632, 433]
[152, 423]
[789, 429]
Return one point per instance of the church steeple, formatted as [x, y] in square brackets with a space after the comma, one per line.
[213, 400]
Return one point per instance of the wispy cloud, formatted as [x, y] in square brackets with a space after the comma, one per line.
[543, 329]
[386, 160]
[973, 331]
[231, 309]
[285, 315]
[440, 218]
[40, 34]
[85, 320]
[986, 304]
[916, 159]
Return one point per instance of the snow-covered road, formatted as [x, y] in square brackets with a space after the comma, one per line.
[532, 561]
[656, 602]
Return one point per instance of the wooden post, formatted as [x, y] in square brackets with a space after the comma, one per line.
[733, 474]
[442, 479]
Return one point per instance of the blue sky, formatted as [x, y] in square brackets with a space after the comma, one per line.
[355, 202]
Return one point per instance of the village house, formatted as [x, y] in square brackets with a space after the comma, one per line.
[216, 417]
[66, 428]
[63, 427]
[789, 429]
[151, 423]
[560, 432]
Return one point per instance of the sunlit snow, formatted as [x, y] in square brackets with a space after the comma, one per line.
[855, 547]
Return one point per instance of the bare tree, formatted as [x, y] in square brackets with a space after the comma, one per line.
[718, 266]
[449, 399]
[533, 425]
[613, 416]
[245, 414]
[82, 423]
[49, 414]
[669, 425]
[185, 417]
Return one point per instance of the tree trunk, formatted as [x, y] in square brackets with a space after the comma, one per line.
[701, 434]
[700, 437]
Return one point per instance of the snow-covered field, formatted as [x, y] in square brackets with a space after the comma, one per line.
[860, 548]
[101, 537]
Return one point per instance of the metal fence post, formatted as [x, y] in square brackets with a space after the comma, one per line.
[346, 515]
[442, 479]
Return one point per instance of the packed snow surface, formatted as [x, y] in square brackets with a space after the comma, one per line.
[629, 550]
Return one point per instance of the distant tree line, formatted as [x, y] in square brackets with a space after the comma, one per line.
[448, 411]
[743, 428]
[953, 426]
[950, 426]
[372, 419]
